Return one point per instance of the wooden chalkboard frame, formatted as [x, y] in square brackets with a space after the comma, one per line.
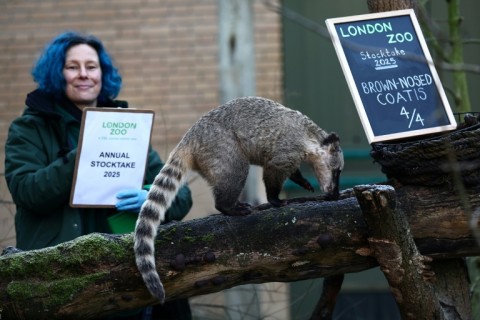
[440, 105]
[90, 191]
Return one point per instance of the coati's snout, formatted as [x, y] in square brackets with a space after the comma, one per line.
[333, 190]
[330, 183]
[329, 171]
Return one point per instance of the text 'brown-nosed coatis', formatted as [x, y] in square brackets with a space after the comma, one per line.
[220, 146]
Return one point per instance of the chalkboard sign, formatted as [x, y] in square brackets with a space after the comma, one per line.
[391, 76]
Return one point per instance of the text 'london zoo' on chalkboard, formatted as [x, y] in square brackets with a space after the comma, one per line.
[391, 75]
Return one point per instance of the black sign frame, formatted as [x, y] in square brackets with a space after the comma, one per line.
[391, 75]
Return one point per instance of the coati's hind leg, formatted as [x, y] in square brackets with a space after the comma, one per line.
[226, 199]
[301, 181]
[228, 186]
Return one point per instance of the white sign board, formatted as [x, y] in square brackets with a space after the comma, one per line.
[112, 155]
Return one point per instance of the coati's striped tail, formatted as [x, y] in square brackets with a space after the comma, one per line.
[162, 192]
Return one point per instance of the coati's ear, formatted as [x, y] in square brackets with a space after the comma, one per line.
[332, 141]
[332, 138]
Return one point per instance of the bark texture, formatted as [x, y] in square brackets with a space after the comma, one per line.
[390, 5]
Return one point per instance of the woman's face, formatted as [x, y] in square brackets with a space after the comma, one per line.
[83, 75]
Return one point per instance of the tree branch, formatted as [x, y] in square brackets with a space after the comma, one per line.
[299, 241]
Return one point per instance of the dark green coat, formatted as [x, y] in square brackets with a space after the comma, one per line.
[39, 165]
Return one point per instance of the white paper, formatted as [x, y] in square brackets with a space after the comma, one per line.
[113, 155]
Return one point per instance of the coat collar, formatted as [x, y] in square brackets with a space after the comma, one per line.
[44, 104]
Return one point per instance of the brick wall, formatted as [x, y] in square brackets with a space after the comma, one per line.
[166, 52]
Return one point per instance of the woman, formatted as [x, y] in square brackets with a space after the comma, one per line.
[73, 72]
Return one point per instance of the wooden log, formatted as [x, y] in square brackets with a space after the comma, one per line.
[452, 287]
[408, 272]
[95, 275]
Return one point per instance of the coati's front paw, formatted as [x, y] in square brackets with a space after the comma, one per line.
[307, 186]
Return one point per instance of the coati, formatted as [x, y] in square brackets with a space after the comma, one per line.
[220, 146]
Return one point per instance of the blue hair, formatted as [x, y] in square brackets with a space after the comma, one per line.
[48, 71]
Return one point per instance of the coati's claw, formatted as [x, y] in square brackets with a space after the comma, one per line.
[240, 209]
[278, 202]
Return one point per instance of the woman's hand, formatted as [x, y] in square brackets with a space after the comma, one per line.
[131, 199]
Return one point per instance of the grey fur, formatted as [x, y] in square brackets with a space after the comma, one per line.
[220, 146]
